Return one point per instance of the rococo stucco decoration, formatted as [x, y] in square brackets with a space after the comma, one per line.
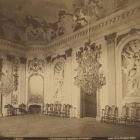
[59, 79]
[36, 65]
[88, 76]
[6, 84]
[15, 74]
[131, 68]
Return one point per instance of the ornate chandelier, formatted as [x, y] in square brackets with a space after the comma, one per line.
[88, 77]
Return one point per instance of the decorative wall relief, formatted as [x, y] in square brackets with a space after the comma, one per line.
[131, 68]
[14, 99]
[6, 84]
[14, 70]
[1, 64]
[88, 76]
[59, 79]
[36, 89]
[36, 65]
[15, 74]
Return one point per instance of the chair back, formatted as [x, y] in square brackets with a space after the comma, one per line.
[125, 111]
[22, 106]
[51, 107]
[133, 112]
[59, 107]
[47, 106]
[55, 107]
[107, 110]
[114, 110]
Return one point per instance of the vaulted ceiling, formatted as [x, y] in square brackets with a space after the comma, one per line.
[46, 9]
[29, 20]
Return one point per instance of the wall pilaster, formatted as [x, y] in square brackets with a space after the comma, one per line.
[110, 42]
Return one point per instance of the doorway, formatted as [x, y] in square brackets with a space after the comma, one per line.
[88, 105]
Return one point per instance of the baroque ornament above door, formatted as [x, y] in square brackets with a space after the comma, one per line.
[36, 65]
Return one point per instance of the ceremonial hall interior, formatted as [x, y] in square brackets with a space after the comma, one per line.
[69, 68]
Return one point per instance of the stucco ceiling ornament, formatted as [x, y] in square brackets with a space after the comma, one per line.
[36, 65]
[88, 76]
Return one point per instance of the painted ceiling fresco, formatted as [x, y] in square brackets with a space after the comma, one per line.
[45, 20]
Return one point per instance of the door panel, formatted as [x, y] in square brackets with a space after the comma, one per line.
[88, 105]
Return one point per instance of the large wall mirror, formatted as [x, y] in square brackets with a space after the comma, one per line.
[36, 89]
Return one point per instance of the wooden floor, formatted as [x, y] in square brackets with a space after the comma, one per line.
[46, 126]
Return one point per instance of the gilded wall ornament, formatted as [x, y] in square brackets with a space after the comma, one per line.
[36, 65]
[59, 79]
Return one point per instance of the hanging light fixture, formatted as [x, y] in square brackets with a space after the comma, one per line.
[88, 77]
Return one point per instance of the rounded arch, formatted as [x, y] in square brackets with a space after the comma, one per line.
[119, 84]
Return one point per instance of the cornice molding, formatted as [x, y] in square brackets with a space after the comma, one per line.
[9, 44]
